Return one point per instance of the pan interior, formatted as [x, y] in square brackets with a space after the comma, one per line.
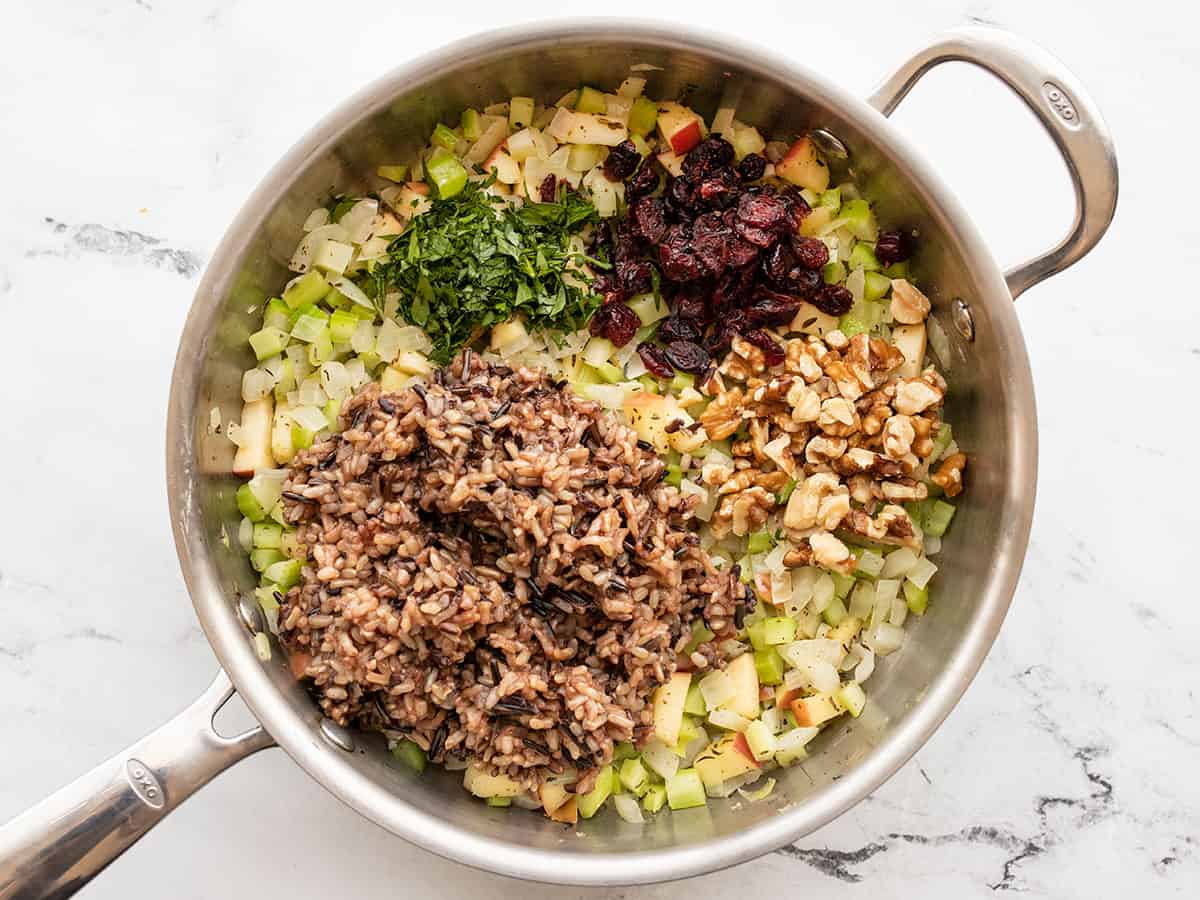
[989, 405]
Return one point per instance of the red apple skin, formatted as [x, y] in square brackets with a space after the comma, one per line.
[801, 714]
[418, 187]
[785, 699]
[686, 137]
[741, 745]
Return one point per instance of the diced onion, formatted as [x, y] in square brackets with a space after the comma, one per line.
[759, 793]
[823, 591]
[899, 612]
[312, 393]
[729, 720]
[898, 563]
[316, 218]
[938, 342]
[302, 259]
[309, 417]
[933, 545]
[350, 290]
[214, 419]
[358, 220]
[717, 689]
[887, 590]
[256, 384]
[628, 809]
[884, 638]
[866, 665]
[336, 380]
[660, 758]
[856, 284]
[246, 534]
[862, 600]
[921, 572]
[363, 339]
[262, 646]
[233, 431]
[791, 741]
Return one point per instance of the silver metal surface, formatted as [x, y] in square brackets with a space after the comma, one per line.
[829, 143]
[992, 408]
[337, 735]
[58, 846]
[1066, 112]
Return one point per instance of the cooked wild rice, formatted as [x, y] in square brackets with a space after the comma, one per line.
[496, 571]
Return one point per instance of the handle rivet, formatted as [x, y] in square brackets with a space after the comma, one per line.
[829, 143]
[960, 313]
[250, 613]
[337, 735]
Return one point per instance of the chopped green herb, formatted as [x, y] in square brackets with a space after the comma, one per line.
[473, 261]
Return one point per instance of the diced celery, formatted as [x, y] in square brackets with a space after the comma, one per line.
[756, 632]
[760, 542]
[590, 803]
[396, 173]
[520, 112]
[499, 802]
[276, 513]
[761, 740]
[248, 505]
[831, 197]
[639, 144]
[870, 563]
[674, 476]
[583, 157]
[835, 611]
[693, 704]
[654, 798]
[608, 373]
[850, 698]
[834, 272]
[650, 384]
[470, 124]
[643, 116]
[624, 750]
[841, 584]
[779, 630]
[863, 257]
[897, 269]
[447, 174]
[302, 438]
[700, 634]
[916, 598]
[682, 381]
[321, 349]
[856, 216]
[267, 535]
[289, 544]
[785, 492]
[309, 326]
[268, 342]
[937, 519]
[277, 315]
[266, 598]
[769, 666]
[444, 137]
[262, 558]
[285, 573]
[863, 316]
[685, 790]
[342, 325]
[945, 434]
[688, 732]
[591, 100]
[306, 289]
[875, 286]
[633, 774]
[410, 753]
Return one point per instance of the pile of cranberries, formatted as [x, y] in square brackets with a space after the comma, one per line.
[728, 252]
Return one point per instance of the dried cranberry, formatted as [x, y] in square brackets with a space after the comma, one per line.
[798, 209]
[691, 305]
[608, 286]
[752, 167]
[810, 252]
[688, 357]
[615, 321]
[622, 161]
[649, 218]
[762, 210]
[773, 353]
[681, 191]
[548, 189]
[675, 255]
[741, 253]
[635, 277]
[676, 328]
[628, 246]
[719, 189]
[772, 308]
[833, 300]
[656, 360]
[644, 181]
[806, 282]
[777, 264]
[892, 247]
[759, 237]
[708, 156]
[712, 250]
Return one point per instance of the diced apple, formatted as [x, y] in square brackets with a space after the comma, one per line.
[254, 433]
[746, 140]
[414, 199]
[282, 448]
[617, 108]
[745, 683]
[679, 126]
[510, 337]
[812, 711]
[722, 760]
[521, 145]
[606, 195]
[672, 162]
[507, 170]
[483, 784]
[582, 157]
[742, 745]
[802, 166]
[810, 320]
[910, 340]
[572, 127]
[494, 129]
[568, 813]
[817, 221]
[553, 796]
[723, 120]
[649, 414]
[668, 707]
[632, 87]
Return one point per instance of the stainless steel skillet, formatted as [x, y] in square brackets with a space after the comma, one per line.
[54, 848]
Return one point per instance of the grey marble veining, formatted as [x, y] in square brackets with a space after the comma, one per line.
[134, 131]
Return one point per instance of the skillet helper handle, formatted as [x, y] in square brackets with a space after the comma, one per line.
[1064, 109]
[58, 846]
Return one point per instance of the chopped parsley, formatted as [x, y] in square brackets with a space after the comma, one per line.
[473, 261]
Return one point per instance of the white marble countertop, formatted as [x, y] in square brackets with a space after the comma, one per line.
[133, 131]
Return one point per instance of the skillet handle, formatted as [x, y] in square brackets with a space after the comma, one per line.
[58, 846]
[1064, 109]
